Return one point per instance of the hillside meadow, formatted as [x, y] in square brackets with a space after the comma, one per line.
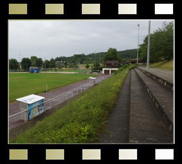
[163, 65]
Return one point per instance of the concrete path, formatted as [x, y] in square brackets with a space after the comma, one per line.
[165, 74]
[143, 111]
[118, 123]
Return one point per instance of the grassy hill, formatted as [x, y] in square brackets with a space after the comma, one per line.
[163, 65]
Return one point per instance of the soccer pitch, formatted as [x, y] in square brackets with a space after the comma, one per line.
[22, 84]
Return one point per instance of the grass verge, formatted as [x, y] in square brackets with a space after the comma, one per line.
[163, 65]
[81, 120]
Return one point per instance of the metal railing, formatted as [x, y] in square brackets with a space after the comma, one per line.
[22, 116]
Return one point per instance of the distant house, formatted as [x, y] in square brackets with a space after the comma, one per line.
[34, 69]
[111, 64]
[133, 61]
[60, 63]
[110, 67]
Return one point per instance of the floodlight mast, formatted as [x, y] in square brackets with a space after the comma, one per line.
[138, 43]
[148, 48]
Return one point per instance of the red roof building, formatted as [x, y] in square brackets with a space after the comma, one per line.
[113, 63]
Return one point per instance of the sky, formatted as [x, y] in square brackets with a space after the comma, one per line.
[48, 39]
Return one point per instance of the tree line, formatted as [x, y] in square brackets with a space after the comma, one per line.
[97, 59]
[161, 44]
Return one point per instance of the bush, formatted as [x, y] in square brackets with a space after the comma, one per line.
[124, 67]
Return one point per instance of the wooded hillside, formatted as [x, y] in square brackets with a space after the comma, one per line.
[98, 57]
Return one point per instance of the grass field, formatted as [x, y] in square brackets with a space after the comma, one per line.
[163, 65]
[80, 121]
[22, 84]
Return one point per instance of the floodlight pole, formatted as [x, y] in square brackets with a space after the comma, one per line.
[148, 48]
[20, 57]
[19, 61]
[138, 43]
[45, 63]
[95, 59]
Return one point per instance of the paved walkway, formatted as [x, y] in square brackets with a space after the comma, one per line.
[165, 74]
[118, 122]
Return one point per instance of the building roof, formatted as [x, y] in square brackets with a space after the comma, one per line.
[30, 99]
[34, 67]
[112, 62]
[133, 59]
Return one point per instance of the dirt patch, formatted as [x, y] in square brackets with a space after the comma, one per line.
[23, 127]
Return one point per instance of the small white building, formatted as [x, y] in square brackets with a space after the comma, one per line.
[31, 106]
[110, 67]
[108, 70]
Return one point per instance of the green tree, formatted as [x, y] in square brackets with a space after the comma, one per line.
[46, 64]
[65, 64]
[33, 60]
[13, 64]
[161, 44]
[87, 66]
[52, 63]
[96, 65]
[112, 54]
[39, 62]
[25, 63]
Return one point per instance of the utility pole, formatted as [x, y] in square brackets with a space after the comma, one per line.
[95, 59]
[45, 63]
[148, 48]
[19, 57]
[138, 43]
[100, 58]
[19, 61]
